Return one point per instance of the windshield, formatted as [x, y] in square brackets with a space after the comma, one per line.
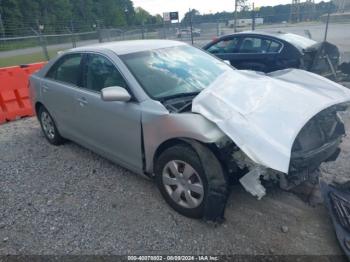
[297, 40]
[173, 71]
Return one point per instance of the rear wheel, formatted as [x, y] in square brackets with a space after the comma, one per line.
[49, 128]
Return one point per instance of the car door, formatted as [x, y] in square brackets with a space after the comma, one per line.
[257, 53]
[59, 89]
[111, 128]
[226, 48]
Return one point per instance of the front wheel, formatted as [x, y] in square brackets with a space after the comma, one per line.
[190, 185]
[181, 180]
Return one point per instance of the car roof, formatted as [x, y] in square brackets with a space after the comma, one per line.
[127, 47]
[262, 33]
[280, 35]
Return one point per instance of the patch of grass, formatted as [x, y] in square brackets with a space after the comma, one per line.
[25, 59]
[17, 44]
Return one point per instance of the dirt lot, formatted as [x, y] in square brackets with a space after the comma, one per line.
[68, 200]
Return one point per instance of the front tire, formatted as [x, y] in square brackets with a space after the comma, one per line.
[194, 169]
[49, 128]
[181, 180]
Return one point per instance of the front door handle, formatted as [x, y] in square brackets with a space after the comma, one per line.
[82, 101]
[45, 89]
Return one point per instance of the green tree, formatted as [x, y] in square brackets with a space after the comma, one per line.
[11, 17]
[142, 16]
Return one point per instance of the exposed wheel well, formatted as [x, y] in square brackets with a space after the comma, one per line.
[165, 145]
[38, 105]
[176, 141]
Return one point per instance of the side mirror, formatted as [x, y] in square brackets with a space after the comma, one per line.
[115, 93]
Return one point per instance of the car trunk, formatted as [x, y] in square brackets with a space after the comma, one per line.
[322, 58]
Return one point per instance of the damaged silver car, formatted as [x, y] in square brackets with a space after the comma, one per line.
[172, 112]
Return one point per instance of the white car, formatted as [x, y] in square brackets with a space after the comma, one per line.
[172, 112]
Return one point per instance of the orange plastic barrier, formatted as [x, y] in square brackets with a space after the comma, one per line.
[14, 91]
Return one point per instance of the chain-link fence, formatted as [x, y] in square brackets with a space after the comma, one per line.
[194, 32]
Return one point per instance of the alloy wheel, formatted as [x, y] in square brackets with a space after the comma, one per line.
[48, 125]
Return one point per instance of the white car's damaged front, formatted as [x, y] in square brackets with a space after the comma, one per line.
[285, 123]
[254, 126]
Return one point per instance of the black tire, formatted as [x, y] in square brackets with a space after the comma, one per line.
[53, 137]
[185, 153]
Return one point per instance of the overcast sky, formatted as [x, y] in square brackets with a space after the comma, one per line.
[204, 6]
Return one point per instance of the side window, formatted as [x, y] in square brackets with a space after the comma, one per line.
[255, 45]
[224, 46]
[67, 69]
[251, 45]
[274, 47]
[101, 73]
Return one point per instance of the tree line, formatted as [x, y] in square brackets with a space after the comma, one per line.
[57, 16]
[308, 11]
[20, 17]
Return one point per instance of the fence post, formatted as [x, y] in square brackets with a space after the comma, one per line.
[143, 31]
[42, 42]
[191, 26]
[99, 33]
[164, 30]
[43, 45]
[73, 34]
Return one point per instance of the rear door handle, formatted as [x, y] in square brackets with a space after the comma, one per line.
[82, 101]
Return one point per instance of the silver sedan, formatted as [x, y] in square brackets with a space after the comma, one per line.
[131, 102]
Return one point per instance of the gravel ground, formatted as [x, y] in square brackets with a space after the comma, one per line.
[68, 200]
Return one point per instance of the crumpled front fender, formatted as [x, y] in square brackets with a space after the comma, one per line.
[161, 126]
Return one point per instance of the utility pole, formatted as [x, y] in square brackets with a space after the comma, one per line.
[235, 23]
[253, 18]
[295, 12]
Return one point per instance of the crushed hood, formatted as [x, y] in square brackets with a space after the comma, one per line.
[263, 113]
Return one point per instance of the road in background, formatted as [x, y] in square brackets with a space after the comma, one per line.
[32, 50]
[338, 34]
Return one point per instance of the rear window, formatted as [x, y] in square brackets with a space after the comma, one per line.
[259, 45]
[67, 69]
